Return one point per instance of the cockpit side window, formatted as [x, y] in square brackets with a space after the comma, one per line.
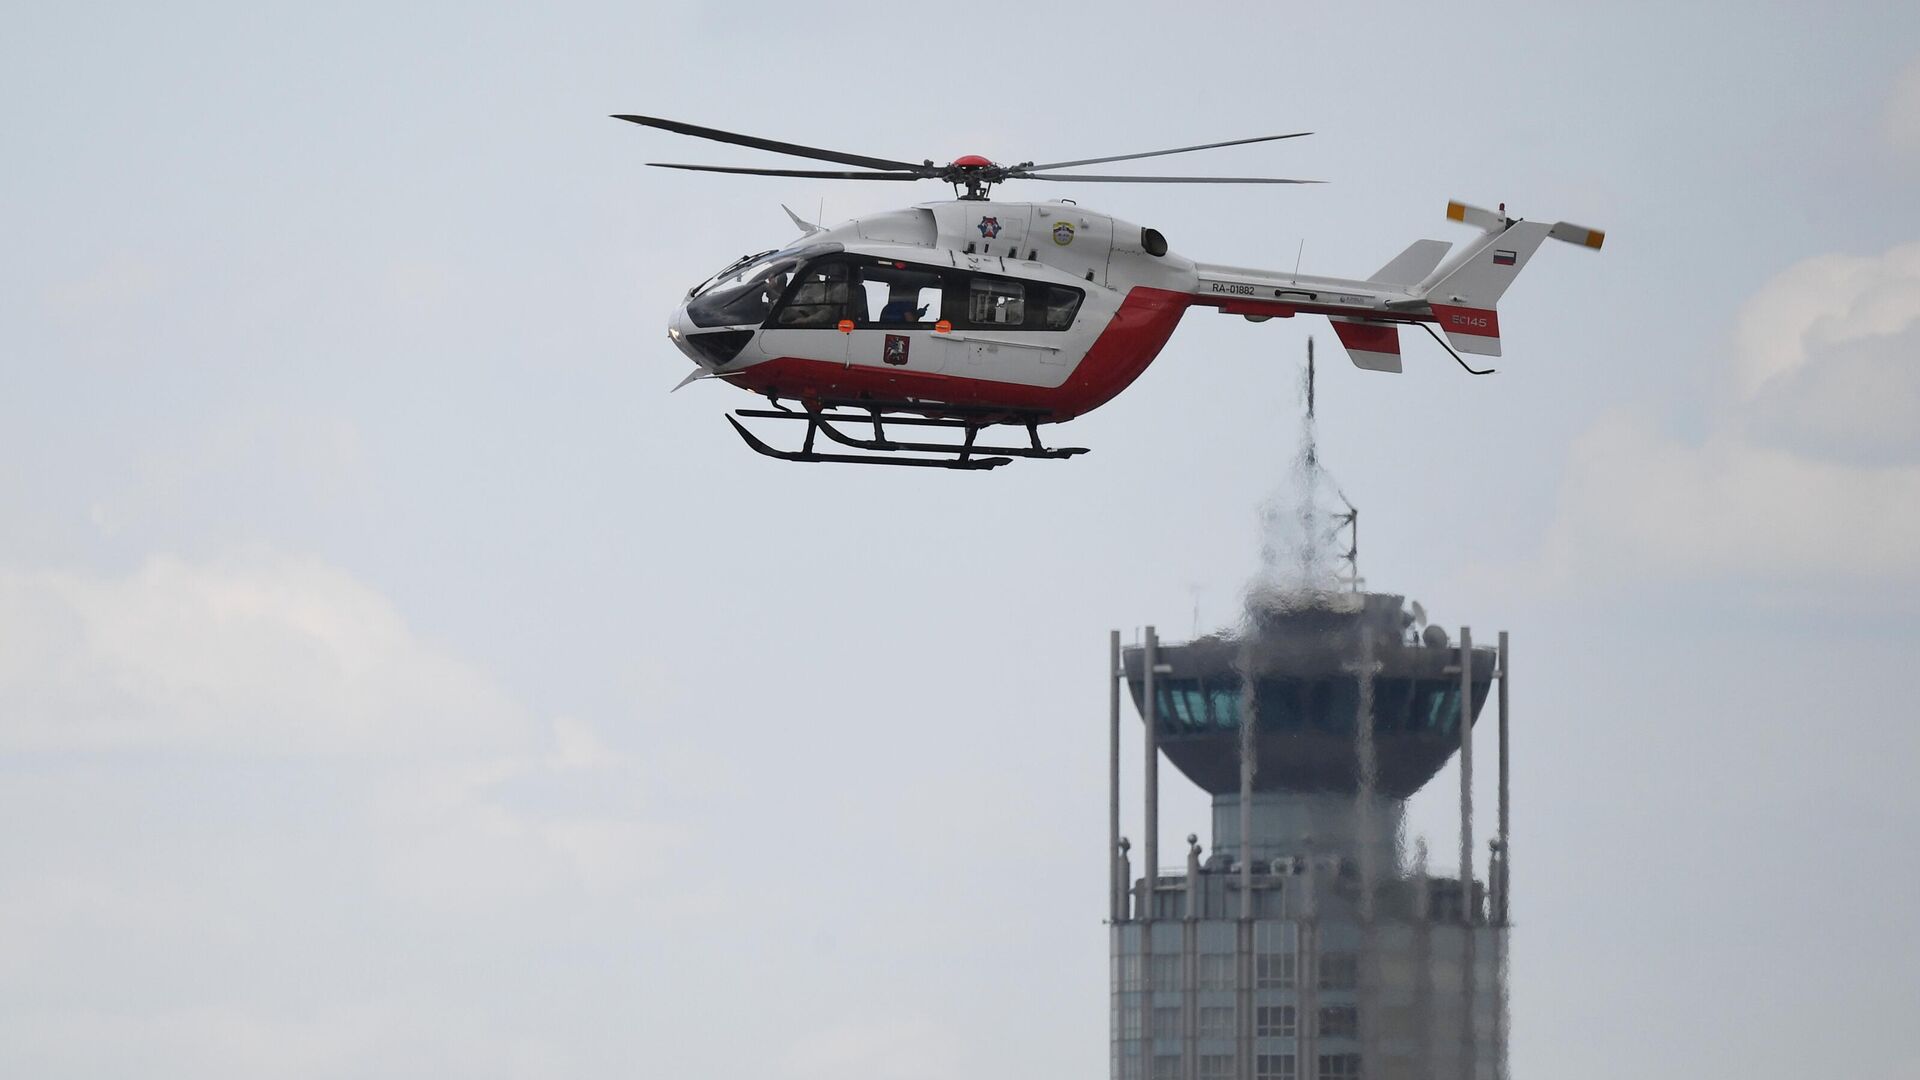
[820, 298]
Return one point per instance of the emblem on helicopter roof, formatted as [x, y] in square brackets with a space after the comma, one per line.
[1063, 233]
[989, 227]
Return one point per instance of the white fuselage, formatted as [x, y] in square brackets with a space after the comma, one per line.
[1046, 309]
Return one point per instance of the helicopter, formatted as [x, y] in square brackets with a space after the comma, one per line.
[971, 313]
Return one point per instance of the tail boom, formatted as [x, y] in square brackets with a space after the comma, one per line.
[1459, 295]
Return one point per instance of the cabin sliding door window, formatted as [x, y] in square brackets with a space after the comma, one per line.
[891, 294]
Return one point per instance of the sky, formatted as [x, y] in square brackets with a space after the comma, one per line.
[395, 680]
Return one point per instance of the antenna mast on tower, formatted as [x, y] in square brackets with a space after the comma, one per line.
[1350, 521]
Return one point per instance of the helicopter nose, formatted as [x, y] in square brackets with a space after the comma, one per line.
[679, 328]
[712, 349]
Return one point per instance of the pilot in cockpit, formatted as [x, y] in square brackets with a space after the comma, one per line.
[903, 306]
[775, 285]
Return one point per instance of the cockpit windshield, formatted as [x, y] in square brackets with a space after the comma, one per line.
[745, 292]
[742, 295]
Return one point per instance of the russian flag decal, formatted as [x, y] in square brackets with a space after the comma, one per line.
[1504, 258]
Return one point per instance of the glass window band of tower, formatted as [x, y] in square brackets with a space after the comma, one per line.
[1418, 706]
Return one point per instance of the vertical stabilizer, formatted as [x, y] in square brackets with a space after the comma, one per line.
[1411, 267]
[1469, 288]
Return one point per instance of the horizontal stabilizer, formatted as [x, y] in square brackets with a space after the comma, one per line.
[1412, 266]
[1373, 346]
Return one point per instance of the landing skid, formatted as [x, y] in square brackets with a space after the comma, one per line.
[967, 454]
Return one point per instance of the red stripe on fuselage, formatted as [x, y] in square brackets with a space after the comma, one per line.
[1133, 337]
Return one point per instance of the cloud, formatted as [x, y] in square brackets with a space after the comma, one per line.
[1859, 404]
[1809, 475]
[279, 657]
[574, 816]
[1827, 358]
[274, 828]
[1900, 123]
[265, 654]
[1642, 504]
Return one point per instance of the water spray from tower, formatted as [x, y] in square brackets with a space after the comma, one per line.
[1301, 551]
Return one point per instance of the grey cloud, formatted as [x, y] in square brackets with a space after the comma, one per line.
[1856, 403]
[262, 653]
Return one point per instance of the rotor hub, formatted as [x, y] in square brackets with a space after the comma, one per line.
[976, 174]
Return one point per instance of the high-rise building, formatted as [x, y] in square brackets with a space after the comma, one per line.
[1309, 941]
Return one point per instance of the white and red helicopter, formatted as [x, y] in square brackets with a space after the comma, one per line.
[969, 313]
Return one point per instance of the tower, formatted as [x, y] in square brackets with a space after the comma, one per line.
[1307, 943]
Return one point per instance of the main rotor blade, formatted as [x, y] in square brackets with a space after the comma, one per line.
[1068, 177]
[1163, 153]
[795, 149]
[817, 174]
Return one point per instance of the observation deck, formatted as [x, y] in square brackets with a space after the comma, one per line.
[1303, 660]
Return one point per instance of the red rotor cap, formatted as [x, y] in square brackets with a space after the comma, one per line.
[973, 161]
